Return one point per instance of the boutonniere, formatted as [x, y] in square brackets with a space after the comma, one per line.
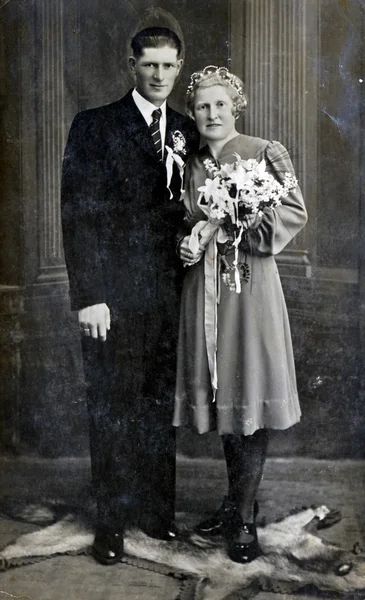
[177, 155]
[179, 142]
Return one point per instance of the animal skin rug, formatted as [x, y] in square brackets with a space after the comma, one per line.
[293, 557]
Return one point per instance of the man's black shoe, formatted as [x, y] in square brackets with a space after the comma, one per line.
[167, 534]
[108, 546]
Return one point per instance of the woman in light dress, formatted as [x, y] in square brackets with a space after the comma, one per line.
[256, 383]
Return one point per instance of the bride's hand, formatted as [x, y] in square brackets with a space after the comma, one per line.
[186, 254]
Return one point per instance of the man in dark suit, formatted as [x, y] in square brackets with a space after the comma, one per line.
[119, 226]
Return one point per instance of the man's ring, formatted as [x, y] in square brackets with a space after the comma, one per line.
[86, 330]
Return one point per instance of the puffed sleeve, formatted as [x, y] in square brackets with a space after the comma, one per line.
[279, 226]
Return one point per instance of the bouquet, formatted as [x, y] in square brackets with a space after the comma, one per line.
[232, 193]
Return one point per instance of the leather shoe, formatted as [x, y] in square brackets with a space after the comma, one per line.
[244, 552]
[243, 546]
[108, 546]
[158, 532]
[222, 522]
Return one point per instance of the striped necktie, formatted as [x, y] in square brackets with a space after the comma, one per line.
[155, 132]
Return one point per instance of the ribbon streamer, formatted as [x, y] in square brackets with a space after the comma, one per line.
[209, 234]
[170, 159]
[211, 277]
[237, 279]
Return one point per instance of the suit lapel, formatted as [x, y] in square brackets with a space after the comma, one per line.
[135, 127]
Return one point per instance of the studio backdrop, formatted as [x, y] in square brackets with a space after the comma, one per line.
[301, 61]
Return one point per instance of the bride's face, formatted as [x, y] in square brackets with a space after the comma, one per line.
[213, 112]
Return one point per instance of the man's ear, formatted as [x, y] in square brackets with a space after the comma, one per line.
[132, 64]
[179, 65]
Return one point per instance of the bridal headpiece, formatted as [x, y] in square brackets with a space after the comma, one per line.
[221, 72]
[212, 75]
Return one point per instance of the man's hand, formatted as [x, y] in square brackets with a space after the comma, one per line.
[94, 321]
[186, 254]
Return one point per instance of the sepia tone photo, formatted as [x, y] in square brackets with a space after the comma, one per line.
[182, 411]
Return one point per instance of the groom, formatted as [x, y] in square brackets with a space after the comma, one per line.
[119, 225]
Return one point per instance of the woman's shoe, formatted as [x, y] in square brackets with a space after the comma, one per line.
[222, 522]
[244, 552]
[243, 547]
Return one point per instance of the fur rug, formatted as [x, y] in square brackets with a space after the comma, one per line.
[293, 556]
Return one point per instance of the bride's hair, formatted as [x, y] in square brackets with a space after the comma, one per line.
[210, 76]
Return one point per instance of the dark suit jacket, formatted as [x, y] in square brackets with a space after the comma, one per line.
[118, 221]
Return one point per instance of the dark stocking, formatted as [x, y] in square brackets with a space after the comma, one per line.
[245, 458]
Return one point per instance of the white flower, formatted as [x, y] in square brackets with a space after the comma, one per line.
[210, 166]
[240, 177]
[226, 170]
[179, 142]
[217, 212]
[212, 189]
[249, 164]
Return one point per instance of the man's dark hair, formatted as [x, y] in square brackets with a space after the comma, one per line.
[155, 37]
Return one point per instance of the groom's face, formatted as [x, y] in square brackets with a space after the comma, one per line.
[155, 73]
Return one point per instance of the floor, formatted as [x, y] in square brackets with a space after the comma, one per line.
[287, 483]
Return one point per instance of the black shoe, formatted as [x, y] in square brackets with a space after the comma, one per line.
[244, 551]
[160, 532]
[108, 546]
[222, 522]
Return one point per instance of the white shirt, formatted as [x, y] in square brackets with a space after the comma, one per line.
[146, 108]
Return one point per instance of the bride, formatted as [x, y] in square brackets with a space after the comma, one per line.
[246, 335]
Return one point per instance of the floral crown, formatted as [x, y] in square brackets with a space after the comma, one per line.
[222, 72]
